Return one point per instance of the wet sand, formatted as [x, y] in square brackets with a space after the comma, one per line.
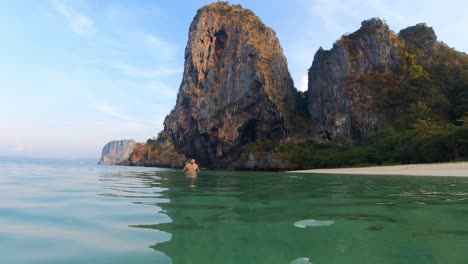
[457, 169]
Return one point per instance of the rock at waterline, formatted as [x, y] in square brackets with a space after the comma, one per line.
[116, 151]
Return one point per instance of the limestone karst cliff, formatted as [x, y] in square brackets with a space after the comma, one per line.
[370, 78]
[237, 106]
[339, 106]
[116, 151]
[235, 89]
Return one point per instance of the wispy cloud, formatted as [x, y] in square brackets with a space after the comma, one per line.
[112, 111]
[126, 12]
[161, 47]
[334, 13]
[338, 15]
[161, 88]
[138, 72]
[385, 10]
[79, 23]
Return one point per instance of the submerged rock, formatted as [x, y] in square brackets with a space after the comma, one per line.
[116, 151]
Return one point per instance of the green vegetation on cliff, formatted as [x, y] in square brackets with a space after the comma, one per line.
[376, 97]
[433, 87]
[157, 152]
[424, 142]
[423, 103]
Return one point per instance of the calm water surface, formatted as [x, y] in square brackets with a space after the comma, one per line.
[67, 212]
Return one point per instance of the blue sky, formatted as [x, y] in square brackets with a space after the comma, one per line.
[77, 74]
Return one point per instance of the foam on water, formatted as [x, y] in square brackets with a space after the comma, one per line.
[312, 223]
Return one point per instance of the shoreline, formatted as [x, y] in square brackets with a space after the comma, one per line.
[450, 169]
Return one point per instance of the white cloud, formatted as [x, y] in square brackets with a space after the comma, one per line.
[134, 71]
[79, 23]
[161, 47]
[111, 110]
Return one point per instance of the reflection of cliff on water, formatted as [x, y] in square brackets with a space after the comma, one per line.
[251, 217]
[243, 217]
[231, 216]
[194, 206]
[144, 191]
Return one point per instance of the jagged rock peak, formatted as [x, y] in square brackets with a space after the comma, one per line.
[338, 107]
[374, 24]
[223, 7]
[420, 39]
[419, 31]
[236, 87]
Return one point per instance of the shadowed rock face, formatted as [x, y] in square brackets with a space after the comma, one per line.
[236, 87]
[116, 151]
[338, 107]
[420, 40]
[156, 153]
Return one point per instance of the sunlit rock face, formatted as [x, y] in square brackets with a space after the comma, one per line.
[116, 151]
[236, 87]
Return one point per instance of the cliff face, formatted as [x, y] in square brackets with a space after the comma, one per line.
[236, 87]
[420, 40]
[339, 106]
[116, 151]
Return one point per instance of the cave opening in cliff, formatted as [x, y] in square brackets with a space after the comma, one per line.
[248, 133]
[220, 42]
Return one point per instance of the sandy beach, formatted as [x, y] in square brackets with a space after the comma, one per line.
[457, 169]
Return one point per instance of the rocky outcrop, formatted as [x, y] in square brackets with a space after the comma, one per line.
[420, 40]
[156, 153]
[116, 151]
[235, 89]
[339, 106]
[263, 161]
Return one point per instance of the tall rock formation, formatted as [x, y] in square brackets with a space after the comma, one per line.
[339, 106]
[116, 151]
[236, 87]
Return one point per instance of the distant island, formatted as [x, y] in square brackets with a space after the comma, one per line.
[377, 97]
[116, 151]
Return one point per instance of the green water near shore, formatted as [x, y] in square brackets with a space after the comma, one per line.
[53, 212]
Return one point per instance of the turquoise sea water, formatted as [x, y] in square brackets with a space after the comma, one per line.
[69, 212]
